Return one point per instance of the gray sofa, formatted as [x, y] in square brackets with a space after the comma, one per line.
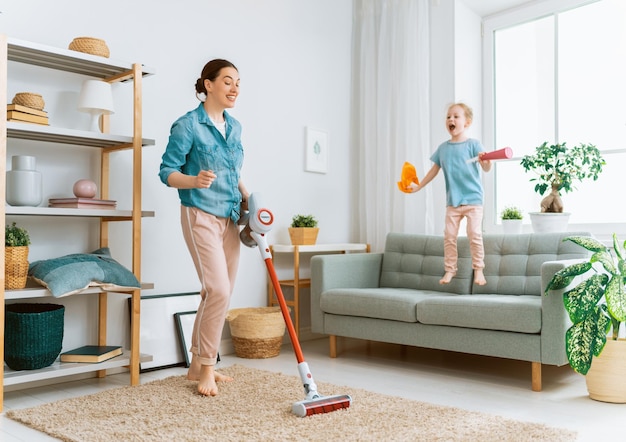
[396, 297]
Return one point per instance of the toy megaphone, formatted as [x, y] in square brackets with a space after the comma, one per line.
[500, 154]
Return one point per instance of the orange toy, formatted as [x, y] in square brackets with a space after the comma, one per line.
[407, 177]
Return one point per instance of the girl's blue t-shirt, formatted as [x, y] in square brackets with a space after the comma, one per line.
[463, 180]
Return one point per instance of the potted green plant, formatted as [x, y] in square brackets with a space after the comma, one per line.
[556, 168]
[596, 307]
[16, 242]
[303, 230]
[512, 220]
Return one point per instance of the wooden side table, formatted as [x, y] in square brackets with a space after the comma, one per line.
[297, 283]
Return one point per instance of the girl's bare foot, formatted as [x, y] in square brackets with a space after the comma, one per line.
[479, 277]
[447, 277]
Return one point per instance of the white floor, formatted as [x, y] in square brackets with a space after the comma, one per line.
[484, 384]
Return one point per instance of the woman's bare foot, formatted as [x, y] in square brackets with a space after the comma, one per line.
[447, 277]
[195, 368]
[207, 384]
[479, 277]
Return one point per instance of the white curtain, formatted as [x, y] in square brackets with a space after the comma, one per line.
[390, 116]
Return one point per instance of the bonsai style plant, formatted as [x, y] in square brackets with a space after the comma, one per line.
[557, 168]
[596, 305]
[303, 230]
[16, 242]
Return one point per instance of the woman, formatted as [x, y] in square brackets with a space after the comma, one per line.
[203, 160]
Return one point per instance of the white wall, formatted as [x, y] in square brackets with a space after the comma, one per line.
[294, 61]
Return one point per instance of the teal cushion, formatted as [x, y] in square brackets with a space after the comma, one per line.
[71, 274]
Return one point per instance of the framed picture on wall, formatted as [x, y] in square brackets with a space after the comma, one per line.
[316, 151]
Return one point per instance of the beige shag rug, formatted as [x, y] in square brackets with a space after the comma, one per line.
[256, 406]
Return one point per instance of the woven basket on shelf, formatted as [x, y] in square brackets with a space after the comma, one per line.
[33, 335]
[257, 332]
[15, 267]
[29, 99]
[90, 45]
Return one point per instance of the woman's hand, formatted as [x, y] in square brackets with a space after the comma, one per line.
[204, 179]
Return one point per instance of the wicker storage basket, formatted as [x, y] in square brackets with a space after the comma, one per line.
[257, 332]
[15, 267]
[29, 99]
[90, 45]
[33, 335]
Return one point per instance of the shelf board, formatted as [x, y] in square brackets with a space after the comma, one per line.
[59, 369]
[68, 60]
[109, 214]
[51, 134]
[38, 291]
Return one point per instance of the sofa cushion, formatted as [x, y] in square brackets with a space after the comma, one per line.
[492, 312]
[384, 303]
[513, 262]
[416, 262]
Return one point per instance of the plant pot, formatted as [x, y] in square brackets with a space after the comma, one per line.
[303, 236]
[605, 378]
[546, 222]
[512, 226]
[15, 267]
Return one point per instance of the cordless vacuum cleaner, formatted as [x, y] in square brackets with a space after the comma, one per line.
[258, 221]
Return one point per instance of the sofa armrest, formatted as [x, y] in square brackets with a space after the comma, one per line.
[554, 318]
[351, 270]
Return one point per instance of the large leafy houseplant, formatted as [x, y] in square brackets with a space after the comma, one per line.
[557, 167]
[597, 304]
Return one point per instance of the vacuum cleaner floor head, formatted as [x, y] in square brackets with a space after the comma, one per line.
[324, 404]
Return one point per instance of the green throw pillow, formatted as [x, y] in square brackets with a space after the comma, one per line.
[71, 274]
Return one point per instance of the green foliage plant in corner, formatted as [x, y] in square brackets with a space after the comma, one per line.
[557, 167]
[303, 221]
[511, 213]
[15, 236]
[596, 304]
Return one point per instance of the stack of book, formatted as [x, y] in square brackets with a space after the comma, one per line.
[82, 203]
[24, 114]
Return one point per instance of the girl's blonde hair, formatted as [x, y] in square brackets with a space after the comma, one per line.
[469, 114]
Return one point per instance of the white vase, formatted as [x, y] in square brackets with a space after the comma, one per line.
[23, 182]
[544, 222]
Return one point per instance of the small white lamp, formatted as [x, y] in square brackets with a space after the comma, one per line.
[96, 98]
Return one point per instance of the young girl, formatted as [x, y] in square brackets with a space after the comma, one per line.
[464, 190]
[203, 160]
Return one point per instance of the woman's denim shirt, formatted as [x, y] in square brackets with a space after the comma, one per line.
[196, 144]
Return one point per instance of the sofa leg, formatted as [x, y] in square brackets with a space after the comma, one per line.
[333, 345]
[536, 376]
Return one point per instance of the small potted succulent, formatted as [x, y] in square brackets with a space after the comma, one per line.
[556, 168]
[303, 230]
[512, 220]
[16, 242]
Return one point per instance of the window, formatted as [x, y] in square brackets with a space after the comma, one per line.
[559, 75]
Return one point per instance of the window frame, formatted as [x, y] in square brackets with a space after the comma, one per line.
[523, 14]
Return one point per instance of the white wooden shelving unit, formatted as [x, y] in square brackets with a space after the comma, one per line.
[110, 71]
